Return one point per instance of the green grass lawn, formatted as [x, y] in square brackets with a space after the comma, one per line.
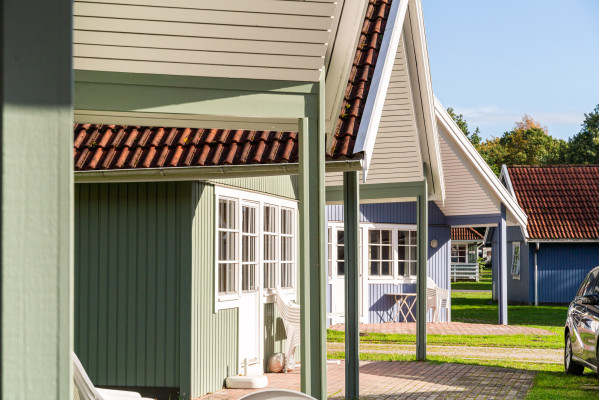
[483, 284]
[550, 382]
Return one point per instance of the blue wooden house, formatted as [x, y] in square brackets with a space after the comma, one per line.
[562, 246]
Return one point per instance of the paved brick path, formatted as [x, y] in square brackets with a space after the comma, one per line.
[451, 328]
[382, 380]
[549, 356]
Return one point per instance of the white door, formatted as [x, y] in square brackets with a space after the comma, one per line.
[337, 274]
[250, 316]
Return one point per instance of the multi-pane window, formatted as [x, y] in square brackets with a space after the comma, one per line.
[287, 247]
[406, 252]
[249, 248]
[459, 253]
[516, 259]
[270, 236]
[228, 234]
[380, 252]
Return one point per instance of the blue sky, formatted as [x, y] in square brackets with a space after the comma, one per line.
[495, 61]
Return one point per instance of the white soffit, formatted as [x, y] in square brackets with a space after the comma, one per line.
[258, 39]
[457, 149]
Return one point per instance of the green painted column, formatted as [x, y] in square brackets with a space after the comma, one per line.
[312, 261]
[422, 242]
[351, 220]
[36, 135]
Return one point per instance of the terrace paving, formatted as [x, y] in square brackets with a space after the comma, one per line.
[383, 380]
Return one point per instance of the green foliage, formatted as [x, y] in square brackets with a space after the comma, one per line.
[474, 137]
[583, 148]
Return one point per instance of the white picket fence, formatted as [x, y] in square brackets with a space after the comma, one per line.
[464, 271]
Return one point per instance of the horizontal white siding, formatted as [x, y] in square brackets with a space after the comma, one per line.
[261, 39]
[463, 194]
[397, 156]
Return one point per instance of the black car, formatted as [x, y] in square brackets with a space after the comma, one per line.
[582, 327]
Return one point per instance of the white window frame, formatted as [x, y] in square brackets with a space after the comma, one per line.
[365, 227]
[458, 245]
[242, 197]
[516, 260]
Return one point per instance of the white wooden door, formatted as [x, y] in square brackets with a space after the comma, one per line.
[250, 307]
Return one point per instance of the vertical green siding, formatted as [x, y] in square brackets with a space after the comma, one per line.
[283, 186]
[214, 336]
[131, 243]
[472, 257]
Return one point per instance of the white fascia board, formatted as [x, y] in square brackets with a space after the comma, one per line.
[340, 57]
[373, 109]
[506, 176]
[481, 169]
[426, 95]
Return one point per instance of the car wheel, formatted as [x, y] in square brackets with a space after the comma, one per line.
[570, 366]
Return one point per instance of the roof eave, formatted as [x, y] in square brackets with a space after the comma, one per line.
[206, 172]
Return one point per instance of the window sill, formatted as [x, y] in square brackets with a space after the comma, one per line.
[516, 277]
[227, 301]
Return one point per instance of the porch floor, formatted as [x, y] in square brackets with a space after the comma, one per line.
[448, 328]
[411, 380]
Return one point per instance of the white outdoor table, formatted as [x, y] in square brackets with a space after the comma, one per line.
[402, 299]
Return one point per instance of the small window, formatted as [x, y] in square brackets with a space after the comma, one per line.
[270, 246]
[227, 246]
[287, 248]
[407, 251]
[340, 253]
[516, 259]
[380, 252]
[458, 253]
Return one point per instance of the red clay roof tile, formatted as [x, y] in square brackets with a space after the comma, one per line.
[561, 202]
[101, 147]
[465, 234]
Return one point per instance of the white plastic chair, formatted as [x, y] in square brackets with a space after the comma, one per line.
[290, 314]
[436, 298]
[85, 389]
[278, 394]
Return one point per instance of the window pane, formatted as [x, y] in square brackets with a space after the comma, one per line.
[374, 253]
[286, 248]
[374, 268]
[286, 275]
[401, 253]
[222, 278]
[248, 249]
[403, 268]
[386, 237]
[248, 224]
[248, 278]
[340, 236]
[226, 247]
[340, 268]
[412, 238]
[270, 219]
[226, 211]
[269, 275]
[402, 237]
[385, 270]
[286, 221]
[385, 253]
[374, 236]
[413, 268]
[270, 247]
[413, 253]
[340, 253]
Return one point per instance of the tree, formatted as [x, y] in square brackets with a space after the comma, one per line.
[460, 121]
[583, 148]
[528, 143]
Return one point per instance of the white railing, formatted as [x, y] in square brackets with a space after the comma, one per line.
[464, 271]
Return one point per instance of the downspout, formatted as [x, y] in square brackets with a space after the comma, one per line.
[537, 245]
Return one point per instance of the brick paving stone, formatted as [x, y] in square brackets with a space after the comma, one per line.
[449, 328]
[411, 380]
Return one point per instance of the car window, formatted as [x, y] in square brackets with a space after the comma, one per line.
[590, 284]
[595, 289]
[584, 286]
